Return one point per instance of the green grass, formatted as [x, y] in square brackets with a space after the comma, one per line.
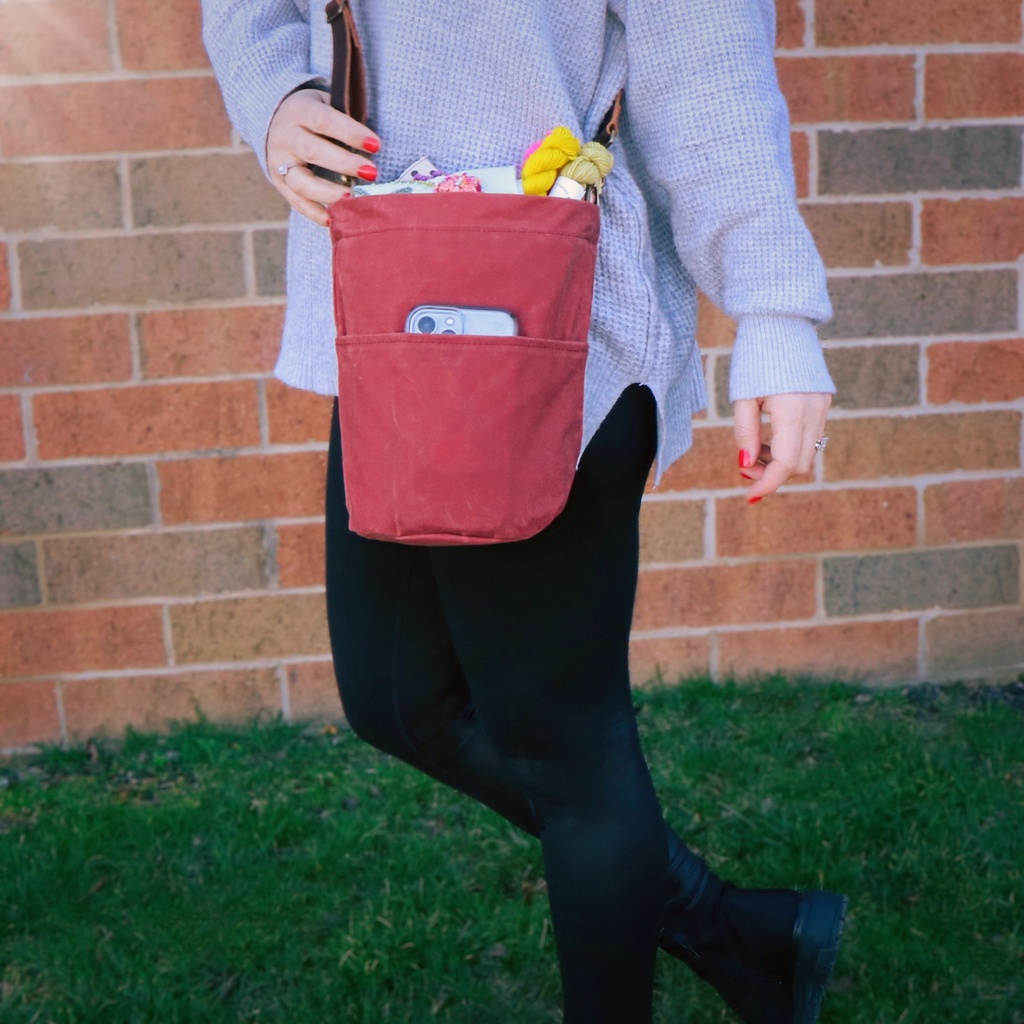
[271, 875]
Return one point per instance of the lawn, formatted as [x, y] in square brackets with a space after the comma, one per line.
[274, 874]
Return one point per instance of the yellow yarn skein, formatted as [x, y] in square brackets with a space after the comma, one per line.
[541, 168]
[592, 166]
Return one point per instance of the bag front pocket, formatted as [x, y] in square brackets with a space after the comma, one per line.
[458, 439]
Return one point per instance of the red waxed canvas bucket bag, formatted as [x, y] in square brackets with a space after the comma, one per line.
[460, 438]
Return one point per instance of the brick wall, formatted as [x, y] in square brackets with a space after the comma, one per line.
[160, 493]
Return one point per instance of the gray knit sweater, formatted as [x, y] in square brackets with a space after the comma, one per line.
[702, 194]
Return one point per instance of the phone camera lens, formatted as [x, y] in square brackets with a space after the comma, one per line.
[426, 324]
[448, 330]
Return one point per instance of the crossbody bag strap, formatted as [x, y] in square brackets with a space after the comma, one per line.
[348, 78]
[609, 129]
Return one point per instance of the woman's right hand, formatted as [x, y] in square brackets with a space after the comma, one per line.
[305, 130]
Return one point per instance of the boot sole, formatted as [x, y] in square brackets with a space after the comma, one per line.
[819, 926]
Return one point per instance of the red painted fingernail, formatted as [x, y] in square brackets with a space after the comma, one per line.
[746, 476]
[367, 172]
[754, 501]
[371, 145]
[745, 460]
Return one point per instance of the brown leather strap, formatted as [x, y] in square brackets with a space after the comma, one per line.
[609, 129]
[348, 78]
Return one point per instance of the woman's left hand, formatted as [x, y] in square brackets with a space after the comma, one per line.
[797, 422]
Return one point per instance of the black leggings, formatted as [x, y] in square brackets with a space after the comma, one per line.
[502, 671]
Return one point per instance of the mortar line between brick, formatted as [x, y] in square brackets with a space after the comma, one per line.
[195, 305]
[933, 123]
[810, 23]
[914, 412]
[168, 632]
[264, 412]
[135, 346]
[14, 310]
[789, 558]
[932, 269]
[838, 198]
[187, 668]
[173, 601]
[710, 529]
[153, 479]
[714, 667]
[916, 232]
[711, 357]
[44, 585]
[249, 262]
[147, 231]
[813, 164]
[828, 201]
[270, 546]
[51, 79]
[897, 50]
[922, 376]
[920, 527]
[62, 718]
[838, 343]
[838, 486]
[28, 429]
[922, 645]
[103, 535]
[108, 157]
[930, 615]
[684, 632]
[127, 213]
[182, 456]
[113, 37]
[924, 340]
[286, 700]
[1019, 606]
[223, 382]
[1020, 295]
[919, 87]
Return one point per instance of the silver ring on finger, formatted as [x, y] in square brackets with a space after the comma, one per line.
[819, 445]
[285, 168]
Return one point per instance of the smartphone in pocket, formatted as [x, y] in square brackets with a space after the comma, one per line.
[460, 320]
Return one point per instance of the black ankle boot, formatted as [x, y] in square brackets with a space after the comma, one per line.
[767, 952]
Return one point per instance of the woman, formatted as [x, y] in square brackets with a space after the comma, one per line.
[502, 670]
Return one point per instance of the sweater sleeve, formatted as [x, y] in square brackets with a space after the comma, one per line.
[707, 130]
[259, 50]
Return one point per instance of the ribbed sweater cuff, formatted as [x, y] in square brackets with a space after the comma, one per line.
[774, 355]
